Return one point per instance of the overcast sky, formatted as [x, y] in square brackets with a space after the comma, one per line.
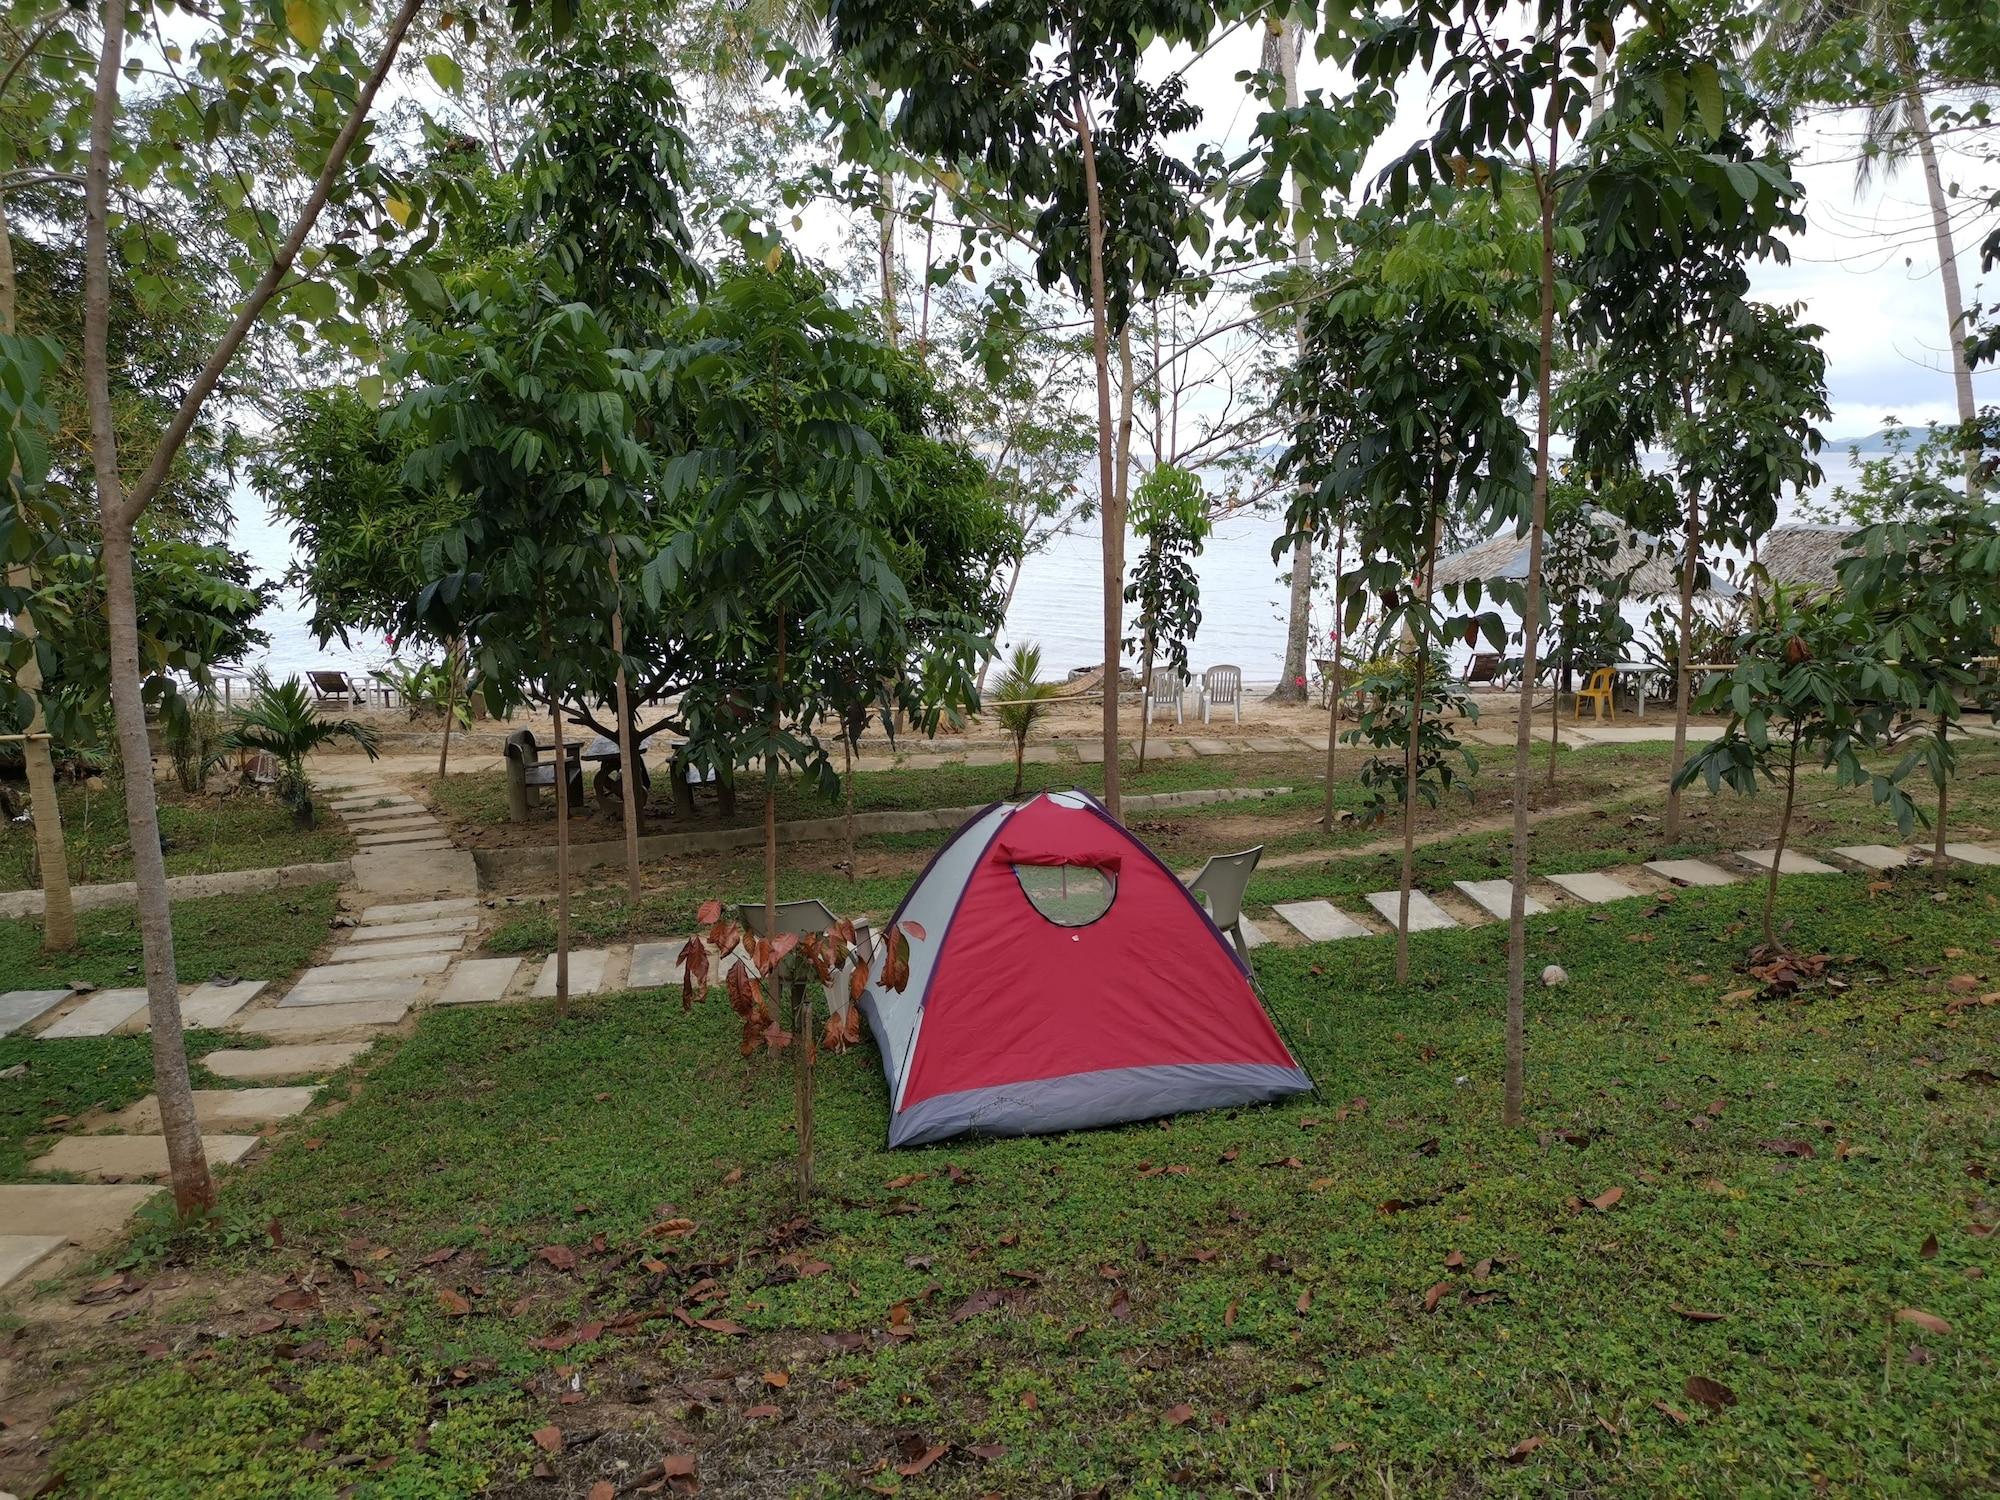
[1866, 266]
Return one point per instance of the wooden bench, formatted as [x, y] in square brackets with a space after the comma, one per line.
[528, 773]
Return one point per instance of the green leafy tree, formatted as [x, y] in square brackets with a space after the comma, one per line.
[1929, 585]
[1810, 683]
[280, 721]
[1047, 103]
[1170, 518]
[1417, 753]
[1584, 584]
[1424, 422]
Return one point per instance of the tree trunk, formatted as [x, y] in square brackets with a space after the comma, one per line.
[1944, 792]
[562, 825]
[1683, 674]
[1954, 300]
[193, 1187]
[451, 695]
[1291, 686]
[1006, 603]
[1555, 718]
[1020, 755]
[885, 255]
[1145, 708]
[1416, 728]
[51, 856]
[1515, 1086]
[1111, 523]
[1784, 831]
[847, 799]
[1339, 652]
[628, 759]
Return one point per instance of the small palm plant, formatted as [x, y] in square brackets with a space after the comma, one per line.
[1019, 701]
[281, 721]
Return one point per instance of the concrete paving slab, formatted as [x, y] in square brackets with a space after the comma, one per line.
[1090, 752]
[1876, 856]
[1973, 854]
[395, 966]
[409, 822]
[1211, 747]
[322, 1022]
[425, 835]
[455, 921]
[479, 981]
[423, 872]
[1794, 863]
[1041, 755]
[438, 845]
[21, 1253]
[416, 911]
[1593, 887]
[211, 1004]
[586, 972]
[1691, 872]
[354, 992]
[1625, 734]
[221, 1109]
[1274, 744]
[655, 965]
[82, 1213]
[1496, 898]
[99, 1015]
[1425, 914]
[356, 952]
[1253, 935]
[304, 1060]
[19, 1007]
[1320, 921]
[107, 1156]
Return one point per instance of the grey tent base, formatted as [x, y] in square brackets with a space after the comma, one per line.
[1077, 1101]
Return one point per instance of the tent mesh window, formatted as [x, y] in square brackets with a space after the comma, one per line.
[1068, 895]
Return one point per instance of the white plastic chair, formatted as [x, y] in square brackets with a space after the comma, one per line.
[1220, 686]
[1167, 686]
[1222, 881]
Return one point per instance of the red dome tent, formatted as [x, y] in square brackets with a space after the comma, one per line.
[1065, 979]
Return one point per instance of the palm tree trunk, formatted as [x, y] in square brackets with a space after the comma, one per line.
[1954, 300]
[193, 1187]
[1291, 686]
[1111, 522]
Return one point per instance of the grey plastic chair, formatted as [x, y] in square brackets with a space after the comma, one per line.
[1167, 686]
[1220, 686]
[1222, 882]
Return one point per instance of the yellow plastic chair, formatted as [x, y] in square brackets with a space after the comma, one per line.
[1597, 692]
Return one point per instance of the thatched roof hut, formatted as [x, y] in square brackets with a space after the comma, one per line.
[1505, 558]
[1804, 556]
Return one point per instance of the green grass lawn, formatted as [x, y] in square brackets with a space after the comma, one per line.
[1379, 1290]
[258, 935]
[200, 836]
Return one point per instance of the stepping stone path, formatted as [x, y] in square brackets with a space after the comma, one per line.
[315, 1023]
[1690, 872]
[221, 1109]
[1793, 863]
[99, 1015]
[1875, 856]
[103, 1157]
[586, 972]
[1318, 921]
[1973, 854]
[1425, 914]
[479, 981]
[655, 965]
[214, 1003]
[58, 1217]
[1495, 898]
[19, 1007]
[355, 992]
[1594, 888]
[302, 1060]
[1211, 747]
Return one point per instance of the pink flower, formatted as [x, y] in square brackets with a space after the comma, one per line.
[1299, 681]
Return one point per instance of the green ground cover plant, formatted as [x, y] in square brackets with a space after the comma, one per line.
[1740, 1248]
